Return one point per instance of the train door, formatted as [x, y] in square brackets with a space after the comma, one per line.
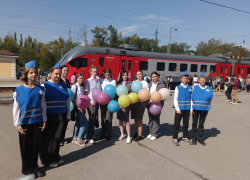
[240, 70]
[126, 63]
[225, 69]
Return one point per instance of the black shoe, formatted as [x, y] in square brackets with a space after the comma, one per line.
[108, 138]
[40, 174]
[102, 137]
[135, 135]
[97, 123]
[202, 142]
[194, 142]
[138, 138]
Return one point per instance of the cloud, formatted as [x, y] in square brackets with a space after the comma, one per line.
[130, 29]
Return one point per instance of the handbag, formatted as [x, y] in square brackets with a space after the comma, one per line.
[74, 111]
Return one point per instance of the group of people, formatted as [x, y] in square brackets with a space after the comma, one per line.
[41, 113]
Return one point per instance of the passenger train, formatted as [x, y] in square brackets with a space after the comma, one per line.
[81, 58]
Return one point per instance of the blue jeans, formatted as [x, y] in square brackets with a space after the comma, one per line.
[81, 126]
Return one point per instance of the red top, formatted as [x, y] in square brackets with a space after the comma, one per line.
[235, 84]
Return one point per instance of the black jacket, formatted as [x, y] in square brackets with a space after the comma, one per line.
[67, 84]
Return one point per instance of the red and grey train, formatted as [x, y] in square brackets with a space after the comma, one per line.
[81, 58]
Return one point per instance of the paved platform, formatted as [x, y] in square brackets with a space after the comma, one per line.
[226, 156]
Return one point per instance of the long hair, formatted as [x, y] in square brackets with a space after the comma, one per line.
[120, 76]
[78, 75]
[24, 77]
[107, 70]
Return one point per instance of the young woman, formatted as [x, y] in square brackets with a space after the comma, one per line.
[154, 120]
[218, 83]
[90, 85]
[106, 116]
[81, 125]
[137, 109]
[29, 116]
[123, 113]
[170, 81]
[200, 105]
[65, 81]
[58, 110]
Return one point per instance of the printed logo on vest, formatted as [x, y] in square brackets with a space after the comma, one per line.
[190, 90]
[207, 90]
[41, 92]
[61, 87]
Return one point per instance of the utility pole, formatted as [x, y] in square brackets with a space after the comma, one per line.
[156, 34]
[69, 34]
[169, 40]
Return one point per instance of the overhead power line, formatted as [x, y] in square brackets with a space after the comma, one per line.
[225, 6]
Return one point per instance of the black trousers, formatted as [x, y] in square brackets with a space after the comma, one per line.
[248, 88]
[92, 111]
[51, 138]
[228, 93]
[201, 117]
[177, 120]
[29, 146]
[106, 118]
[64, 129]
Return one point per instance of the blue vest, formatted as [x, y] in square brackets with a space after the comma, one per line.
[29, 102]
[184, 97]
[56, 96]
[202, 98]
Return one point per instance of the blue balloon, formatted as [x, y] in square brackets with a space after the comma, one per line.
[110, 90]
[136, 86]
[71, 95]
[113, 106]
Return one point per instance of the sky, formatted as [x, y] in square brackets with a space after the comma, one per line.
[192, 21]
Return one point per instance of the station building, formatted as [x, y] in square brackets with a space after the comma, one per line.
[7, 65]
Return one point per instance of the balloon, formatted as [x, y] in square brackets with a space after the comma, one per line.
[155, 97]
[124, 101]
[103, 98]
[71, 95]
[155, 108]
[83, 102]
[113, 106]
[136, 86]
[165, 93]
[95, 94]
[71, 106]
[110, 90]
[133, 97]
[121, 90]
[144, 95]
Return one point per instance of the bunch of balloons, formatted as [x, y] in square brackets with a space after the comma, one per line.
[126, 99]
[83, 102]
[71, 96]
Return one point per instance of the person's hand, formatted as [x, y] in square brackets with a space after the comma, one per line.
[21, 130]
[80, 110]
[43, 127]
[191, 113]
[178, 112]
[92, 102]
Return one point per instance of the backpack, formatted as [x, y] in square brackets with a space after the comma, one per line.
[239, 84]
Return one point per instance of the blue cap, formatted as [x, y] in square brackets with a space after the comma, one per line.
[201, 74]
[30, 64]
[185, 73]
[57, 65]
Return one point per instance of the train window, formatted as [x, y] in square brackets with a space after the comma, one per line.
[248, 70]
[129, 64]
[193, 68]
[212, 69]
[226, 69]
[183, 67]
[160, 66]
[203, 68]
[79, 62]
[101, 61]
[143, 65]
[238, 70]
[242, 70]
[221, 69]
[172, 67]
[123, 64]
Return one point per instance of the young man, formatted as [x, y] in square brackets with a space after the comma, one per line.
[73, 78]
[182, 104]
[229, 88]
[200, 105]
[235, 90]
[163, 80]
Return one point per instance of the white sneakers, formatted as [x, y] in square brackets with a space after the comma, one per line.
[152, 138]
[53, 165]
[122, 136]
[128, 140]
[149, 136]
[60, 162]
[91, 141]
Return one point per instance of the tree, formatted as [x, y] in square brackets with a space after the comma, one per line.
[180, 48]
[100, 35]
[113, 37]
[9, 43]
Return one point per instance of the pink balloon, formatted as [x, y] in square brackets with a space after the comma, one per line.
[83, 102]
[103, 98]
[155, 108]
[95, 94]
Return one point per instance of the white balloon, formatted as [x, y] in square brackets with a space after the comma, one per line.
[165, 93]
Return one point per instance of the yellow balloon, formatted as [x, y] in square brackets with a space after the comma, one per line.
[133, 97]
[124, 101]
